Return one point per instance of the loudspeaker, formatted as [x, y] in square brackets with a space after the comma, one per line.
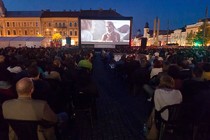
[143, 43]
[68, 40]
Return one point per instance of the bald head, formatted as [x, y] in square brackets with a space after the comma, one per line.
[24, 87]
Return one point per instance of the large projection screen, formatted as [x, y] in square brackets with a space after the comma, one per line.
[105, 32]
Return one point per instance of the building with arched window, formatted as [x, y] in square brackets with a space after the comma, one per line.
[45, 23]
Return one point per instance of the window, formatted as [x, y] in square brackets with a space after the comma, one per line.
[75, 33]
[49, 24]
[37, 24]
[13, 23]
[64, 25]
[70, 33]
[24, 24]
[8, 32]
[7, 24]
[70, 24]
[59, 24]
[14, 32]
[56, 24]
[26, 33]
[75, 24]
[20, 32]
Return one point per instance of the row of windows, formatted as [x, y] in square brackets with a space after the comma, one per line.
[63, 33]
[31, 32]
[61, 24]
[36, 24]
[22, 24]
[20, 32]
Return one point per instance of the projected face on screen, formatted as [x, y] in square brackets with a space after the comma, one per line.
[105, 31]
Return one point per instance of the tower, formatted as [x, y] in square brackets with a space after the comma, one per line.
[2, 9]
[156, 30]
[146, 30]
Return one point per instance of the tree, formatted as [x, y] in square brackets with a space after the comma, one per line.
[56, 38]
[190, 38]
[202, 37]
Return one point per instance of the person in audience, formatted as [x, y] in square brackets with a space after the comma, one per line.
[185, 71]
[174, 72]
[86, 62]
[165, 95]
[6, 84]
[157, 67]
[194, 85]
[26, 108]
[41, 88]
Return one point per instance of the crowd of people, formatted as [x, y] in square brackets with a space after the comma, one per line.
[51, 78]
[41, 84]
[167, 76]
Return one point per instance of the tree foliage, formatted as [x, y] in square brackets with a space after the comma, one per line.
[200, 37]
[190, 38]
[56, 37]
[203, 34]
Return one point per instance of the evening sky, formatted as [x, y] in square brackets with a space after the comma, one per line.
[172, 13]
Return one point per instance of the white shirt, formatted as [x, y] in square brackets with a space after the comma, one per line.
[164, 97]
[155, 71]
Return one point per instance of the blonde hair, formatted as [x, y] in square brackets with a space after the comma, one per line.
[166, 81]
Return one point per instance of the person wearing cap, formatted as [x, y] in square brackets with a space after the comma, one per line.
[111, 35]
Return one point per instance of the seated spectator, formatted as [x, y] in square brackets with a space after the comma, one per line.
[174, 72]
[165, 95]
[193, 86]
[6, 86]
[157, 67]
[86, 62]
[41, 87]
[25, 108]
[185, 71]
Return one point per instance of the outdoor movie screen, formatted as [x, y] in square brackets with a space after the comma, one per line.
[95, 31]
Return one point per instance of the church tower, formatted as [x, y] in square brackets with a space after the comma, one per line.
[2, 9]
[146, 30]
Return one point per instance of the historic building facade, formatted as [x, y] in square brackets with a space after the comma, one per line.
[45, 23]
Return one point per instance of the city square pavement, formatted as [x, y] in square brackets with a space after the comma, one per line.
[120, 115]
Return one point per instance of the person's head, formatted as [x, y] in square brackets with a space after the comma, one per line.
[166, 81]
[110, 26]
[174, 71]
[33, 71]
[2, 58]
[157, 64]
[57, 63]
[24, 87]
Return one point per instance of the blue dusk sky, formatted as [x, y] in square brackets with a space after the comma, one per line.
[178, 12]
